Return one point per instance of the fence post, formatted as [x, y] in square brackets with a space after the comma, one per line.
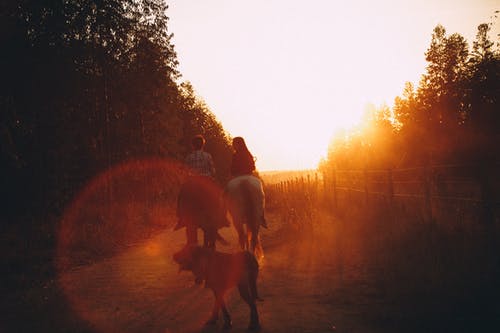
[487, 215]
[334, 180]
[390, 186]
[308, 186]
[390, 191]
[324, 188]
[365, 180]
[427, 193]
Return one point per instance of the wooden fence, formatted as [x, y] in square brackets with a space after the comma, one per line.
[438, 193]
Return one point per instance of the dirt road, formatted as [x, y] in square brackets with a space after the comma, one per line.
[311, 280]
[141, 290]
[321, 277]
[302, 283]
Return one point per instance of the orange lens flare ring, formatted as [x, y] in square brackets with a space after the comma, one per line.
[114, 208]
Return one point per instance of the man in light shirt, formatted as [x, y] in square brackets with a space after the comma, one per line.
[199, 204]
[199, 161]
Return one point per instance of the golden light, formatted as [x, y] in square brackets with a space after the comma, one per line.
[103, 268]
[287, 74]
[152, 248]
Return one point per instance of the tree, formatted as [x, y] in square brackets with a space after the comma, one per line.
[484, 85]
[198, 119]
[443, 84]
[87, 84]
[452, 116]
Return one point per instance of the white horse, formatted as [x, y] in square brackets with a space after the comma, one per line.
[245, 201]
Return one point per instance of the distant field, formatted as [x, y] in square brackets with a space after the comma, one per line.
[272, 177]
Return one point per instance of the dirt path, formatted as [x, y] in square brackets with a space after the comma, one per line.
[301, 282]
[305, 281]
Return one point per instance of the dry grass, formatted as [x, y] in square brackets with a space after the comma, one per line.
[421, 276]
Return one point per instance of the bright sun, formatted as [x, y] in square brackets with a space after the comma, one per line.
[287, 75]
[303, 137]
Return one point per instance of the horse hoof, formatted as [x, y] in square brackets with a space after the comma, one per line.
[211, 322]
[227, 325]
[254, 327]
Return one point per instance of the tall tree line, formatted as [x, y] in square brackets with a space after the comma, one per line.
[452, 116]
[86, 84]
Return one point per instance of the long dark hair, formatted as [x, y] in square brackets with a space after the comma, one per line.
[240, 145]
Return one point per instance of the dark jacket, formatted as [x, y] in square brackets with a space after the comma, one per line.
[242, 163]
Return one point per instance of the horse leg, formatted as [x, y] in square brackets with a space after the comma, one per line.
[247, 296]
[227, 318]
[215, 312]
[209, 237]
[256, 246]
[191, 233]
[205, 239]
[241, 234]
[249, 240]
[259, 251]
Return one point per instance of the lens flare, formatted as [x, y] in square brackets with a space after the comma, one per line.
[113, 256]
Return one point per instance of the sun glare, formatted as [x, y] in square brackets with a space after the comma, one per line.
[303, 137]
[287, 75]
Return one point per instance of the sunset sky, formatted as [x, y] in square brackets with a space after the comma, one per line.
[287, 74]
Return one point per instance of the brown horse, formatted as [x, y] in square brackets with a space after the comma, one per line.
[245, 200]
[200, 205]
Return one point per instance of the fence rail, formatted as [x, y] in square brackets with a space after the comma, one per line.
[472, 191]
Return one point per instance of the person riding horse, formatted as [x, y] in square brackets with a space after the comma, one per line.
[244, 198]
[243, 164]
[199, 202]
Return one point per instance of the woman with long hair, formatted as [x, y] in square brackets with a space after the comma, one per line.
[243, 162]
